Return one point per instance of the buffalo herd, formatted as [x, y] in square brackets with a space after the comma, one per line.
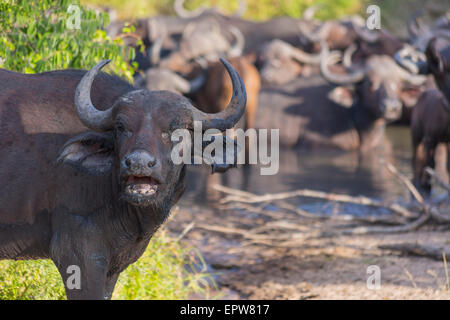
[86, 156]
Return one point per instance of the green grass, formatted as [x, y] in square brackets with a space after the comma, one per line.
[167, 270]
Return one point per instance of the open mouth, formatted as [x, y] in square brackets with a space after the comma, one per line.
[143, 186]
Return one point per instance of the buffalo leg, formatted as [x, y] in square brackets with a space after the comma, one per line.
[419, 163]
[82, 265]
[430, 151]
[110, 284]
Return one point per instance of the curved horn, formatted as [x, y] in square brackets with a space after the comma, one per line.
[347, 59]
[333, 58]
[367, 35]
[228, 117]
[410, 59]
[320, 33]
[413, 79]
[239, 45]
[308, 58]
[241, 9]
[89, 115]
[309, 13]
[359, 26]
[155, 51]
[183, 13]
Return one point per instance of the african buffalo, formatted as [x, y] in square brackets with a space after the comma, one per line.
[313, 113]
[380, 88]
[87, 182]
[205, 39]
[430, 121]
[430, 125]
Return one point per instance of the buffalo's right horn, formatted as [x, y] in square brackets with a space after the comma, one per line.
[155, 51]
[347, 59]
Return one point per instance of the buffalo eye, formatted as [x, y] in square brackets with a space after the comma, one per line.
[120, 130]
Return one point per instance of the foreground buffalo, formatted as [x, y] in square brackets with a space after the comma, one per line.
[87, 184]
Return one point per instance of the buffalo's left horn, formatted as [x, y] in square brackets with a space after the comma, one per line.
[227, 118]
[89, 115]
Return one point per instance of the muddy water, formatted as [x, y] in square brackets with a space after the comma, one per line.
[325, 170]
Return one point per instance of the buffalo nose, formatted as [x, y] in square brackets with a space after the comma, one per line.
[139, 160]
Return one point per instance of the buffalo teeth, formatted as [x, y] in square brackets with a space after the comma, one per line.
[135, 189]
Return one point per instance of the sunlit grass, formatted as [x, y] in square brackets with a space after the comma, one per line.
[167, 270]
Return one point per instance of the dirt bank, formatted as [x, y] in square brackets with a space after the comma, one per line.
[313, 266]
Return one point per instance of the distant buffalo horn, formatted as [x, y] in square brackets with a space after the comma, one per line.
[239, 45]
[183, 13]
[410, 59]
[89, 115]
[333, 58]
[241, 9]
[309, 13]
[359, 25]
[413, 60]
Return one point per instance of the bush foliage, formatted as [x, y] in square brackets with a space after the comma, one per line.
[37, 36]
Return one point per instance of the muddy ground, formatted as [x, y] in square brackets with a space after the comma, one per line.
[315, 262]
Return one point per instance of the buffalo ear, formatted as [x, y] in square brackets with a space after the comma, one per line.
[89, 152]
[342, 96]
